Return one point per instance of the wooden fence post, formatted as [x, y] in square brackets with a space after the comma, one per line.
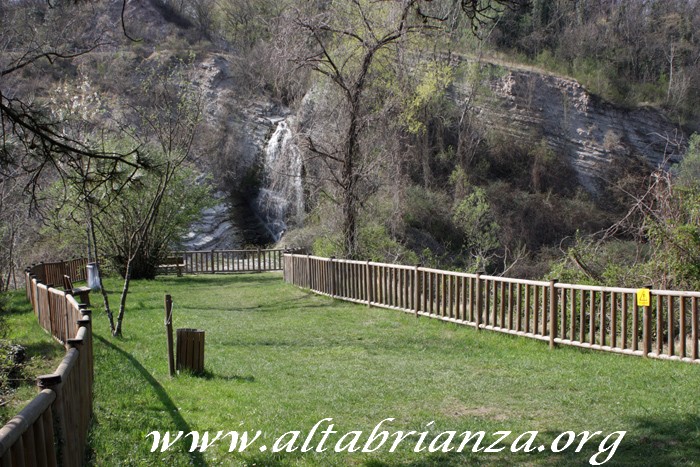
[646, 332]
[86, 322]
[478, 302]
[169, 332]
[552, 312]
[212, 261]
[368, 285]
[308, 272]
[54, 383]
[659, 325]
[332, 278]
[694, 329]
[284, 270]
[260, 268]
[416, 290]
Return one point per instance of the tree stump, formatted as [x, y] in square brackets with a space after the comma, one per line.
[190, 350]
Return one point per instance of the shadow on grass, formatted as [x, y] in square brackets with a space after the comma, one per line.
[14, 303]
[209, 375]
[661, 440]
[180, 423]
[654, 441]
[223, 279]
[44, 349]
[430, 460]
[278, 306]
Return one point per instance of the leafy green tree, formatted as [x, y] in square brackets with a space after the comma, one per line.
[121, 227]
[474, 218]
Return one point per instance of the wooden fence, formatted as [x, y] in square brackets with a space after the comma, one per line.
[228, 261]
[602, 318]
[52, 274]
[53, 428]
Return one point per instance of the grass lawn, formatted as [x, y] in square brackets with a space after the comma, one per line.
[280, 359]
[43, 354]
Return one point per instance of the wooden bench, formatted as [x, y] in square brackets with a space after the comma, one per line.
[172, 262]
[81, 292]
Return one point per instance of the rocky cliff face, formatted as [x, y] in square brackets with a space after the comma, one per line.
[594, 136]
[240, 124]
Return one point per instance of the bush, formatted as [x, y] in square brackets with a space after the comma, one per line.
[430, 211]
[375, 244]
[11, 356]
[615, 263]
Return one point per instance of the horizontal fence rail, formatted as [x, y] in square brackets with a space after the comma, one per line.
[53, 428]
[225, 261]
[52, 274]
[602, 318]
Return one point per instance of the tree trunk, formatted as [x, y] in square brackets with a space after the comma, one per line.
[144, 264]
[671, 57]
[349, 226]
[11, 260]
[122, 302]
[105, 298]
[349, 180]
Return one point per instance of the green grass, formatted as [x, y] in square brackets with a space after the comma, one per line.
[280, 359]
[43, 354]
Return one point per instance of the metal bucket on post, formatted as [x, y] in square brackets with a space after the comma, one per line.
[93, 277]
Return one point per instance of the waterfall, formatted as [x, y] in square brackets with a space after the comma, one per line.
[281, 196]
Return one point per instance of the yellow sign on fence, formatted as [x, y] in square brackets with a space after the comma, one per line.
[643, 297]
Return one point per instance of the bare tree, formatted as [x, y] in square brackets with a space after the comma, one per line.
[345, 54]
[351, 44]
[31, 136]
[170, 124]
[38, 143]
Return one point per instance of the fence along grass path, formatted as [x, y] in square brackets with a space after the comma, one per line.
[229, 261]
[52, 430]
[593, 317]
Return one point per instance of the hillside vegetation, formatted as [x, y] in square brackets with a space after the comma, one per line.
[510, 137]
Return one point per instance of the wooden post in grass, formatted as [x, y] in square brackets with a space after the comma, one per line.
[309, 280]
[646, 323]
[368, 284]
[332, 278]
[478, 302]
[169, 332]
[58, 414]
[552, 312]
[416, 289]
[694, 328]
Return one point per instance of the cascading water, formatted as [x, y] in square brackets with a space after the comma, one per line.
[281, 196]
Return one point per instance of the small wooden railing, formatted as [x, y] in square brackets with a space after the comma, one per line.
[603, 318]
[230, 261]
[52, 274]
[53, 428]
